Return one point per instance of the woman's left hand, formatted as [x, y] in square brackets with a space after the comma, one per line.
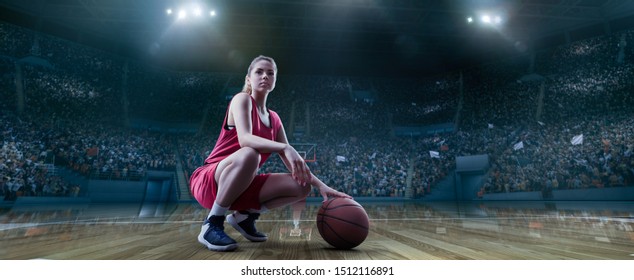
[327, 191]
[299, 170]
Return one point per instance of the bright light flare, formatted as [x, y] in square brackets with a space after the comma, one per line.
[487, 18]
[197, 11]
[191, 10]
[182, 14]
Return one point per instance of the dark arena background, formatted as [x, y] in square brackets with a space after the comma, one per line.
[468, 130]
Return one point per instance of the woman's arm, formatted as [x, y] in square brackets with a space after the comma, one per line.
[310, 178]
[240, 110]
[293, 161]
[325, 190]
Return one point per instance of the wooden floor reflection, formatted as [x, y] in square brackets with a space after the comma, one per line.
[398, 231]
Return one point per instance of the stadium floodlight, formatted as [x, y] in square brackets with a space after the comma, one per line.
[182, 14]
[498, 19]
[193, 11]
[197, 11]
[469, 19]
[486, 19]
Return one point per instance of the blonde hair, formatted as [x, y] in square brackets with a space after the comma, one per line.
[247, 86]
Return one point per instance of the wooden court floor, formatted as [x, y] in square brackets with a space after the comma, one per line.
[398, 231]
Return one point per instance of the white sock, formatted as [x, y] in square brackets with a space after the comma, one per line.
[217, 210]
[241, 217]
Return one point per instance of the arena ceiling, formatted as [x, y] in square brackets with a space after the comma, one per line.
[351, 37]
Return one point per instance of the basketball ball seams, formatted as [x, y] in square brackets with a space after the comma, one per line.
[341, 227]
[327, 203]
[344, 205]
[342, 220]
[338, 236]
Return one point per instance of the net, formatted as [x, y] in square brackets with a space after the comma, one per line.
[307, 151]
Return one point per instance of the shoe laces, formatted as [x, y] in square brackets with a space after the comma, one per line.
[221, 234]
[219, 229]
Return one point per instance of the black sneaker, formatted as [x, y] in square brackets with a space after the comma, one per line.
[213, 236]
[247, 227]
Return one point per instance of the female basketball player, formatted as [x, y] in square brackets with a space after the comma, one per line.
[228, 180]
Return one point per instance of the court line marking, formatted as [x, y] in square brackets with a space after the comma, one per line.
[136, 220]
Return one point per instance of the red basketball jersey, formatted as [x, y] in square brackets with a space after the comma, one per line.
[228, 144]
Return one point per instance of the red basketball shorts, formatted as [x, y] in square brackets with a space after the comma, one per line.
[204, 188]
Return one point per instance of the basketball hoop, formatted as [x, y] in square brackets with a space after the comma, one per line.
[306, 150]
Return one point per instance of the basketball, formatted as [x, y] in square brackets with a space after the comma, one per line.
[343, 223]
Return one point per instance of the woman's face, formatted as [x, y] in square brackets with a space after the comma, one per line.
[262, 77]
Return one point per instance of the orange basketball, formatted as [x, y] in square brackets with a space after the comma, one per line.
[343, 223]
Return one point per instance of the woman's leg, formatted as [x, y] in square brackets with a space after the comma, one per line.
[234, 175]
[280, 189]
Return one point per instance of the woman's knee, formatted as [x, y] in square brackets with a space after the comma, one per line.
[283, 186]
[245, 161]
[304, 191]
[296, 189]
[249, 158]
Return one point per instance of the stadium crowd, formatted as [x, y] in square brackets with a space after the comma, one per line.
[75, 114]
